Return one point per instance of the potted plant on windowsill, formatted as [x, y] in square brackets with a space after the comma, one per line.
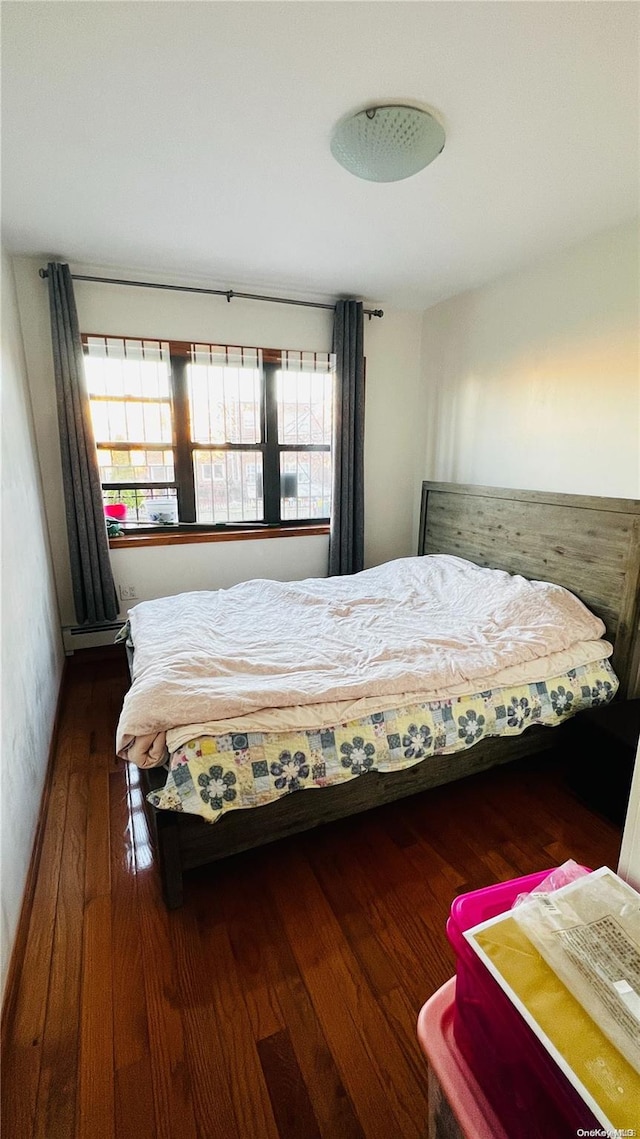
[115, 513]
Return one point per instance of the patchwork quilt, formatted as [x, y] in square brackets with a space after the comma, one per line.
[214, 774]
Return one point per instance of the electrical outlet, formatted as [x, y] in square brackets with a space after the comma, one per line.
[128, 593]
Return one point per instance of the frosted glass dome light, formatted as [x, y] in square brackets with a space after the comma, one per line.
[386, 144]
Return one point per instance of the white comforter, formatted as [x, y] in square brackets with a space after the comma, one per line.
[413, 625]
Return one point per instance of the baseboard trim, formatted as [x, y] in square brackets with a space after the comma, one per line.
[18, 950]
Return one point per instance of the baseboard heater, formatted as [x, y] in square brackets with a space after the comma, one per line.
[89, 636]
[103, 627]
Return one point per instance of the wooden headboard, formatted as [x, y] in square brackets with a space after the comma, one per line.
[589, 545]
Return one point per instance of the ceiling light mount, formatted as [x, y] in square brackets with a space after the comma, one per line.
[388, 142]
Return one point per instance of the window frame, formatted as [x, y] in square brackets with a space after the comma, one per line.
[184, 449]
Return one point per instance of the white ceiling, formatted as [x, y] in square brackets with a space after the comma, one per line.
[193, 138]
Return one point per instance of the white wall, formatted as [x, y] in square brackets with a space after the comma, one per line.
[159, 571]
[393, 448]
[533, 382]
[32, 654]
[395, 417]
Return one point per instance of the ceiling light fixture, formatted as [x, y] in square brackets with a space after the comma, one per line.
[385, 144]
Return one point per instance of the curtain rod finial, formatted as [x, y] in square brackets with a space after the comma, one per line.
[43, 273]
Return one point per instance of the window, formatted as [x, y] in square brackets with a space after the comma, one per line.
[210, 434]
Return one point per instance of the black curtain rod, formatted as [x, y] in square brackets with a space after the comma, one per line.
[230, 294]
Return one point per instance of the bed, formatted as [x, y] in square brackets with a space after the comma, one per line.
[589, 546]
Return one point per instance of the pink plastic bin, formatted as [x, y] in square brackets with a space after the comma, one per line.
[531, 1096]
[452, 1087]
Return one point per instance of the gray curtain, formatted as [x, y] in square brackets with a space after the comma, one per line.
[346, 545]
[94, 592]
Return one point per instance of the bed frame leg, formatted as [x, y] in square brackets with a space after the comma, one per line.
[170, 861]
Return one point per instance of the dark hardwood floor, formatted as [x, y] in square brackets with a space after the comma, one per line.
[281, 1001]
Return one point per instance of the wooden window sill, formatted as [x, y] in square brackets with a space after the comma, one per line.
[184, 538]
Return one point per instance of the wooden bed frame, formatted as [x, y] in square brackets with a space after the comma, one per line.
[589, 545]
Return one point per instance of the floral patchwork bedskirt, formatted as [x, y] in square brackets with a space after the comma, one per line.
[214, 774]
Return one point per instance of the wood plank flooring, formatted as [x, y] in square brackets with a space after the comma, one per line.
[281, 1001]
